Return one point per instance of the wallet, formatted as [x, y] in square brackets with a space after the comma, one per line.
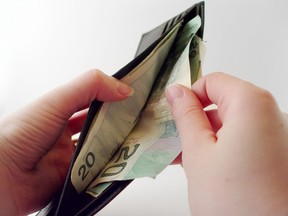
[68, 201]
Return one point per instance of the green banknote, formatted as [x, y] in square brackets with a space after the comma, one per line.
[115, 120]
[153, 143]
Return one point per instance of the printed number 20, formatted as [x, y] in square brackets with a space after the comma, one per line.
[84, 168]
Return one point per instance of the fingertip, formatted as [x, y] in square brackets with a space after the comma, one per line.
[124, 90]
[174, 92]
[118, 89]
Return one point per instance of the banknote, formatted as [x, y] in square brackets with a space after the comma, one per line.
[154, 143]
[115, 120]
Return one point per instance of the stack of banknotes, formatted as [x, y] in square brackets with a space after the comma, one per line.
[137, 137]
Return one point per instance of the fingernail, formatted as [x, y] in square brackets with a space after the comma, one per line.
[125, 90]
[173, 92]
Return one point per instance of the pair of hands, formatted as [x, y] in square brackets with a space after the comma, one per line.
[235, 157]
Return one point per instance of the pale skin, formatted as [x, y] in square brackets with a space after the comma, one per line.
[236, 156]
[36, 145]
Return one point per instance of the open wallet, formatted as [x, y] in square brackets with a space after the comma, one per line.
[136, 137]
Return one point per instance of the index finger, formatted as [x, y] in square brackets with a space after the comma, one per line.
[223, 90]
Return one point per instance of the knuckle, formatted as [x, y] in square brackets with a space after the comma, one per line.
[258, 95]
[217, 74]
[184, 113]
[96, 73]
[256, 99]
[97, 76]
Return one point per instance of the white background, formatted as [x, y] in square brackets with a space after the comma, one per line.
[45, 43]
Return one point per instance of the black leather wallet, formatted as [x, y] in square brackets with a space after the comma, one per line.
[68, 201]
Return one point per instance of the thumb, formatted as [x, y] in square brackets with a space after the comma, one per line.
[34, 129]
[192, 123]
[81, 91]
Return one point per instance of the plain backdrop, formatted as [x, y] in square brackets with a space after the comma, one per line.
[46, 43]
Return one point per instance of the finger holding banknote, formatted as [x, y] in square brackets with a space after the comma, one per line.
[235, 157]
[35, 141]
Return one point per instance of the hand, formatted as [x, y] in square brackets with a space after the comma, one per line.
[235, 156]
[35, 142]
